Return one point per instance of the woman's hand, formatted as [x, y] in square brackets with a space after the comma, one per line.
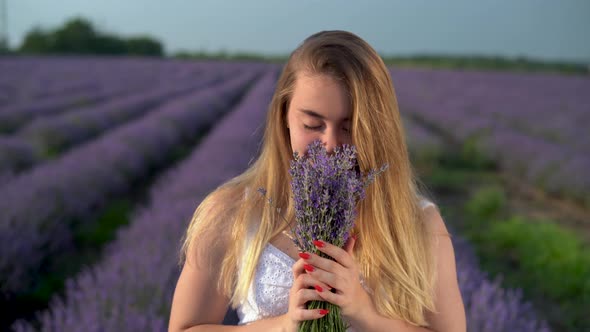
[305, 288]
[342, 275]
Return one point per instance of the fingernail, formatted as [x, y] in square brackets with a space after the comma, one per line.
[304, 255]
[318, 288]
[308, 268]
[324, 311]
[318, 243]
[354, 237]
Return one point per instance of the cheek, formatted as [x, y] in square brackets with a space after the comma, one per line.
[301, 139]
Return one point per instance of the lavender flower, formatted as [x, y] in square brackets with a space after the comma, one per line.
[326, 190]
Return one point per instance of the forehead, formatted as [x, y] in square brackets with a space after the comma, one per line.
[321, 94]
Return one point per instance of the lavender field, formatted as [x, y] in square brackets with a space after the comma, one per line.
[534, 126]
[77, 134]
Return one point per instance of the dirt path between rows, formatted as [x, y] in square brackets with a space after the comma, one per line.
[534, 203]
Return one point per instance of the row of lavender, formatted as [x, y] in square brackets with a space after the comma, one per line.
[48, 135]
[534, 125]
[483, 298]
[39, 206]
[422, 143]
[102, 83]
[131, 288]
[27, 79]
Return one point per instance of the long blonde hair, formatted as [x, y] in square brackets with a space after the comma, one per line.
[393, 250]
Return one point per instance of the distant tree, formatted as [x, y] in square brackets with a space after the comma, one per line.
[4, 49]
[77, 36]
[144, 46]
[109, 44]
[37, 41]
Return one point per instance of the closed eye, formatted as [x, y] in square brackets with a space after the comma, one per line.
[312, 128]
[317, 128]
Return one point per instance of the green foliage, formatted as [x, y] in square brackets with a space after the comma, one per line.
[547, 261]
[550, 254]
[223, 55]
[450, 179]
[4, 47]
[544, 259]
[486, 203]
[448, 170]
[88, 237]
[470, 157]
[108, 44]
[77, 36]
[424, 153]
[37, 41]
[144, 46]
[494, 63]
[473, 157]
[103, 230]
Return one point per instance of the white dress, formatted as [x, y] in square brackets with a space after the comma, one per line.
[268, 295]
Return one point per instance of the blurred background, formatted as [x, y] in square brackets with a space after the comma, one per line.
[118, 118]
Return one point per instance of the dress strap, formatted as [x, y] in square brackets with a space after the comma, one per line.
[425, 203]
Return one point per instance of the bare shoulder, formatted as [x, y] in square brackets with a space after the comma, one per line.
[197, 299]
[434, 221]
[212, 223]
[450, 312]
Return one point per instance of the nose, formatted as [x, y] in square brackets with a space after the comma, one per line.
[331, 141]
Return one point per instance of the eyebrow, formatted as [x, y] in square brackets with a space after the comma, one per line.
[317, 115]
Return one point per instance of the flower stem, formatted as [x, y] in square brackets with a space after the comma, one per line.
[331, 322]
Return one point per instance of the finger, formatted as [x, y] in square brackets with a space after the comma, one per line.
[334, 298]
[305, 295]
[339, 254]
[326, 278]
[322, 263]
[297, 268]
[307, 281]
[309, 314]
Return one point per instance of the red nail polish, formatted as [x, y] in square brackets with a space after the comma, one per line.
[318, 288]
[354, 237]
[318, 243]
[304, 255]
[308, 268]
[324, 311]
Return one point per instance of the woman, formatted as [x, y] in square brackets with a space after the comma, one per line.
[397, 274]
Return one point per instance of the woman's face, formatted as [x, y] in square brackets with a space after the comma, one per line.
[319, 109]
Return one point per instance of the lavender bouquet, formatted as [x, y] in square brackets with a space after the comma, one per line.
[326, 190]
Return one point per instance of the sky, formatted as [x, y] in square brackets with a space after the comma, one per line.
[537, 29]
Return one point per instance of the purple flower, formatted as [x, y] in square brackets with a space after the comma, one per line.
[326, 189]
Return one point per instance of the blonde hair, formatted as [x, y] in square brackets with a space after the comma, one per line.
[393, 250]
